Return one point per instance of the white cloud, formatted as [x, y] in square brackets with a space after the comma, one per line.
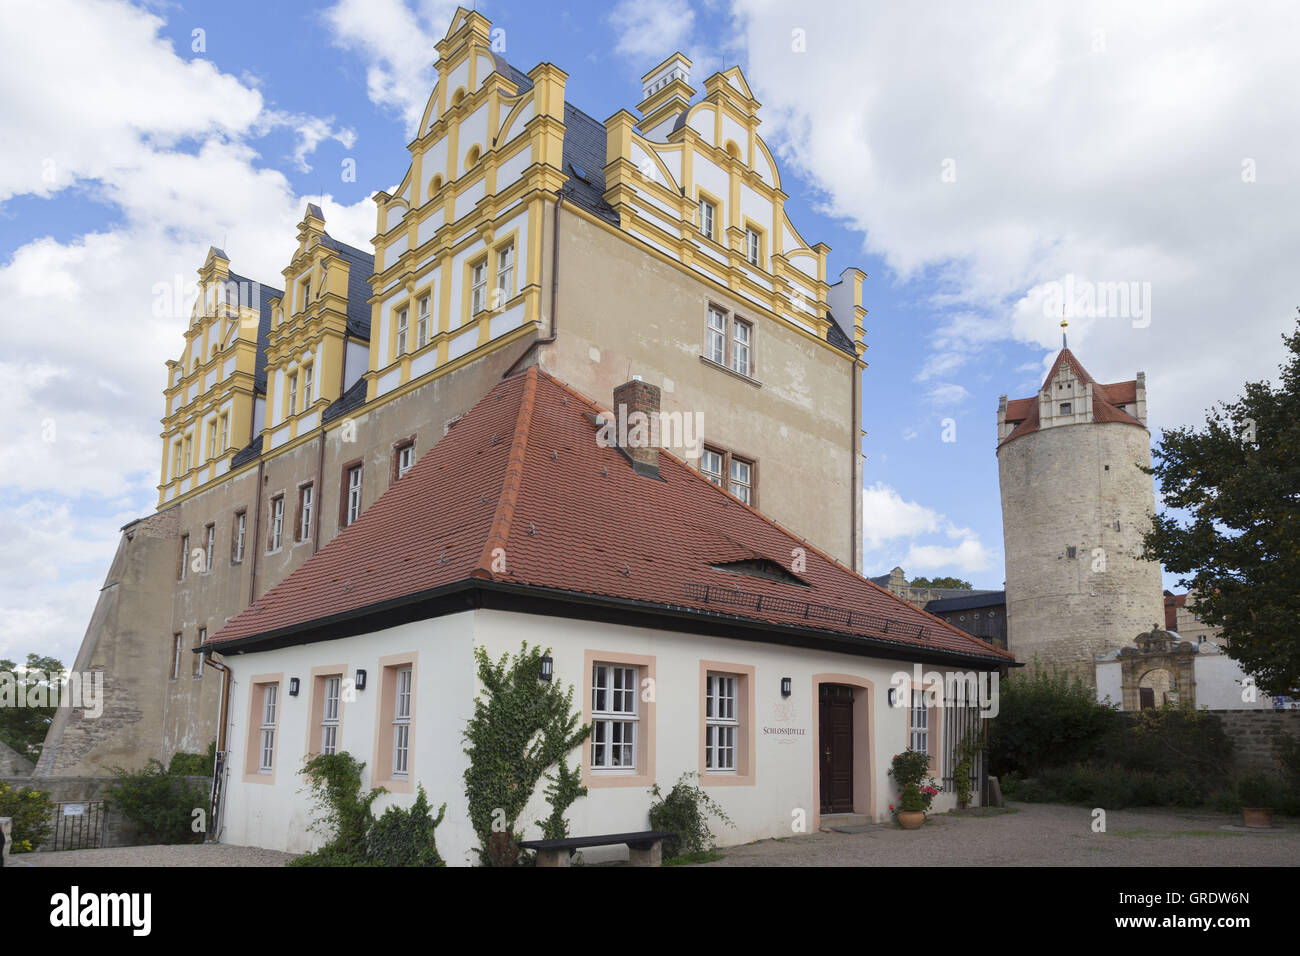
[891, 527]
[396, 43]
[167, 144]
[311, 131]
[648, 33]
[947, 395]
[1115, 156]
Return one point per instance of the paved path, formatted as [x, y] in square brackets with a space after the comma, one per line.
[202, 854]
[1037, 834]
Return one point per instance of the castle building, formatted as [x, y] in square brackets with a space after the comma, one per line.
[524, 233]
[1075, 507]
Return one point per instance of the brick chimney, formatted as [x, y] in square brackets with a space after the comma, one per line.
[636, 410]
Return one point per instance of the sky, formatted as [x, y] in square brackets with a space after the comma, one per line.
[972, 160]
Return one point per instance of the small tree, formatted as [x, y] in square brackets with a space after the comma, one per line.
[521, 727]
[952, 583]
[32, 812]
[28, 701]
[161, 804]
[1238, 481]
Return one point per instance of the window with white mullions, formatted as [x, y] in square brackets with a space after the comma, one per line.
[478, 288]
[720, 723]
[711, 465]
[505, 275]
[267, 757]
[354, 495]
[717, 336]
[402, 724]
[613, 717]
[919, 738]
[741, 480]
[209, 546]
[422, 329]
[401, 331]
[329, 724]
[740, 347]
[707, 210]
[752, 246]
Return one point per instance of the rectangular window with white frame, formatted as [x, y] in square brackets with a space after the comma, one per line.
[305, 507]
[237, 546]
[505, 275]
[478, 288]
[198, 658]
[717, 344]
[753, 246]
[293, 394]
[185, 557]
[402, 724]
[422, 326]
[209, 547]
[178, 648]
[729, 341]
[401, 332]
[919, 724]
[721, 723]
[740, 333]
[353, 500]
[614, 717]
[308, 385]
[742, 479]
[707, 213]
[405, 458]
[711, 465]
[266, 757]
[733, 472]
[329, 723]
[277, 523]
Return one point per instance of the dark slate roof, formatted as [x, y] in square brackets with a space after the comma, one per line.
[972, 599]
[349, 401]
[517, 77]
[264, 294]
[361, 266]
[246, 454]
[835, 335]
[584, 155]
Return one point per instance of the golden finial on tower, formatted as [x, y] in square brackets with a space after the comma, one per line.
[1064, 322]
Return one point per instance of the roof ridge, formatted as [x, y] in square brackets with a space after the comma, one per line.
[499, 532]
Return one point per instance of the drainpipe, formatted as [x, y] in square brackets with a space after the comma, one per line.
[855, 456]
[257, 533]
[223, 716]
[555, 283]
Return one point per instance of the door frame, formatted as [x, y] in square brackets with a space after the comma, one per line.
[864, 744]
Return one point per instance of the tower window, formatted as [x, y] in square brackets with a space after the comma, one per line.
[1065, 408]
[1071, 552]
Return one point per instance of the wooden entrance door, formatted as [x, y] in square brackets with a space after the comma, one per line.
[835, 737]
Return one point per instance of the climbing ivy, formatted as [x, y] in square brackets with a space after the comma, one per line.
[521, 727]
[566, 787]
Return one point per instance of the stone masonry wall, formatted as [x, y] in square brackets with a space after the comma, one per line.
[1253, 733]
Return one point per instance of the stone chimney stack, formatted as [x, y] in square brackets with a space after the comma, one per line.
[636, 411]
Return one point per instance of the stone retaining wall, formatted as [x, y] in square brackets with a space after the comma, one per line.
[1253, 733]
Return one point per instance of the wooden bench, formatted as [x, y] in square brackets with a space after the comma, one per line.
[644, 848]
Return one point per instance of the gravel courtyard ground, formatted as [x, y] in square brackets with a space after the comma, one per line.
[1037, 835]
[1027, 835]
[217, 854]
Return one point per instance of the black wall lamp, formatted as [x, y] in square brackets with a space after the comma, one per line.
[360, 682]
[892, 692]
[293, 687]
[785, 687]
[548, 667]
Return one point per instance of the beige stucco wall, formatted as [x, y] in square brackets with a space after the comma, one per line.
[623, 311]
[1068, 486]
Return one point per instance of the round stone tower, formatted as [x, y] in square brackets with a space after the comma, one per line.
[1075, 506]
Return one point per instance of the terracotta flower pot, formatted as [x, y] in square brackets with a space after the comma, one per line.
[1261, 817]
[911, 819]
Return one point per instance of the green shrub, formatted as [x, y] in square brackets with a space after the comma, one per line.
[405, 837]
[910, 801]
[521, 727]
[911, 766]
[565, 787]
[1258, 790]
[194, 765]
[1106, 785]
[1046, 719]
[1172, 739]
[1286, 750]
[338, 808]
[685, 813]
[401, 837]
[161, 804]
[32, 812]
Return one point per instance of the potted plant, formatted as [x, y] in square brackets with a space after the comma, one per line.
[911, 769]
[1255, 794]
[911, 808]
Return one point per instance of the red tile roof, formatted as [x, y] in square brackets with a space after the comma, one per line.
[519, 493]
[1023, 412]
